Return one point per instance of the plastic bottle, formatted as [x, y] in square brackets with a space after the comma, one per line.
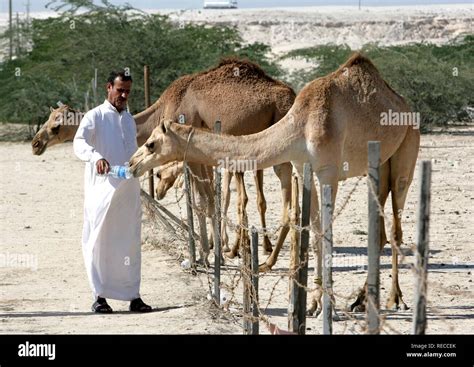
[122, 172]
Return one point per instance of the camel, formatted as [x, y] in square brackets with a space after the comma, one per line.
[329, 125]
[246, 101]
[167, 176]
[202, 98]
[61, 127]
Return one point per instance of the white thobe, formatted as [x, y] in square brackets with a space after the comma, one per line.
[112, 208]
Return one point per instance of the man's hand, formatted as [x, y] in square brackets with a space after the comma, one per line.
[102, 166]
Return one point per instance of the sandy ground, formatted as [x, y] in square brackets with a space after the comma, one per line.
[43, 285]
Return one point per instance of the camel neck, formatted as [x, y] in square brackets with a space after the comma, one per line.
[146, 121]
[144, 116]
[270, 147]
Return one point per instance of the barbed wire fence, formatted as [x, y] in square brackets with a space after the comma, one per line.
[234, 276]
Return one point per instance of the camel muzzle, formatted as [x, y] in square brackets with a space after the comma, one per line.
[38, 147]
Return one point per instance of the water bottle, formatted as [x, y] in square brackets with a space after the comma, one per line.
[122, 172]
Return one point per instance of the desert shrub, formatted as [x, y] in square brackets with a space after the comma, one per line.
[436, 80]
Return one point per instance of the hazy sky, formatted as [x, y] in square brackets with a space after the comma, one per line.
[38, 5]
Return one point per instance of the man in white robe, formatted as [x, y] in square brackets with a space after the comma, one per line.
[111, 239]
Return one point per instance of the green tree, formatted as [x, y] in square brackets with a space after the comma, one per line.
[436, 80]
[66, 50]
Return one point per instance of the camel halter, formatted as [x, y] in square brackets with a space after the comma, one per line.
[187, 143]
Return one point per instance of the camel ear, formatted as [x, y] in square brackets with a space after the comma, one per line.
[163, 127]
[51, 109]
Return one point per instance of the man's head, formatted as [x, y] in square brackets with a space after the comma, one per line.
[119, 85]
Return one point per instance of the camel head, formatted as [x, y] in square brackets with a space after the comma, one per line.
[162, 146]
[167, 176]
[61, 126]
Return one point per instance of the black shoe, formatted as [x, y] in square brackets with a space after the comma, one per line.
[101, 306]
[137, 305]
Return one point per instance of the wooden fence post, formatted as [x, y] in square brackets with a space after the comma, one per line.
[373, 278]
[246, 274]
[146, 79]
[254, 294]
[217, 228]
[304, 241]
[422, 249]
[294, 256]
[327, 258]
[189, 208]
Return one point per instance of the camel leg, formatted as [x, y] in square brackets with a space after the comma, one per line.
[204, 250]
[397, 175]
[262, 208]
[235, 248]
[242, 200]
[208, 186]
[327, 176]
[316, 305]
[360, 302]
[201, 204]
[283, 171]
[210, 230]
[243, 219]
[383, 194]
[226, 201]
[402, 167]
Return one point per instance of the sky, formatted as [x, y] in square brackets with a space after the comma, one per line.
[38, 5]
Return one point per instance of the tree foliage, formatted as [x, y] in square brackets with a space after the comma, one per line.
[436, 80]
[65, 51]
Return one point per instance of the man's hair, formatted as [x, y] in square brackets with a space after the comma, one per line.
[122, 74]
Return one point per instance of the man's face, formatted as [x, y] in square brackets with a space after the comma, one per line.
[117, 94]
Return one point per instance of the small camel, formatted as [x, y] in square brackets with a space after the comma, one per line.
[329, 126]
[167, 176]
[246, 101]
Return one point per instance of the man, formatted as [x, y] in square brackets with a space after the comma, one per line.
[112, 209]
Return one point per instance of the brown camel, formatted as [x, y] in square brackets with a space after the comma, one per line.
[61, 127]
[237, 92]
[167, 176]
[329, 126]
[246, 101]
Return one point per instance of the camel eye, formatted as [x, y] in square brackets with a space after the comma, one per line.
[158, 175]
[150, 146]
[55, 130]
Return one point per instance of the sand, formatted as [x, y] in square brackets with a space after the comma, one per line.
[43, 286]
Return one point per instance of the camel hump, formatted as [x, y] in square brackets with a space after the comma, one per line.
[244, 64]
[232, 67]
[357, 59]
